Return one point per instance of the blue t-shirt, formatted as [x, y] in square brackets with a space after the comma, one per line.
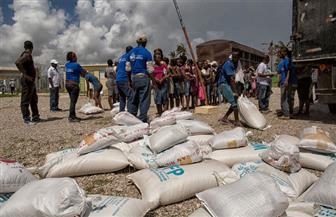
[73, 70]
[228, 70]
[283, 68]
[121, 69]
[93, 80]
[138, 57]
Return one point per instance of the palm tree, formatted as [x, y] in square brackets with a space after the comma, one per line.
[172, 54]
[181, 50]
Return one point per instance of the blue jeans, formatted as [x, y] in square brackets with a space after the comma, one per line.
[264, 93]
[141, 97]
[54, 97]
[125, 93]
[208, 91]
[287, 99]
[226, 91]
[161, 94]
[73, 90]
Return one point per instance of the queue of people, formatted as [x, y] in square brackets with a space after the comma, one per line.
[175, 82]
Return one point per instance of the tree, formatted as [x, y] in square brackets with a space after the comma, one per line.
[172, 55]
[181, 50]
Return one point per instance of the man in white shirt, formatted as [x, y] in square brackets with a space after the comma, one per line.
[54, 84]
[265, 85]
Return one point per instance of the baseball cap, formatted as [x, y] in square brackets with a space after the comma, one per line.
[53, 61]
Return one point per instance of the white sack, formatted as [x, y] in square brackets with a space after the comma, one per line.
[162, 121]
[114, 111]
[300, 209]
[132, 133]
[195, 127]
[315, 139]
[183, 115]
[255, 195]
[324, 190]
[126, 147]
[61, 197]
[283, 154]
[293, 184]
[234, 138]
[89, 109]
[4, 197]
[251, 114]
[98, 140]
[171, 111]
[236, 155]
[125, 118]
[316, 161]
[169, 185]
[200, 212]
[325, 212]
[67, 163]
[13, 176]
[167, 137]
[200, 139]
[141, 157]
[111, 206]
[182, 154]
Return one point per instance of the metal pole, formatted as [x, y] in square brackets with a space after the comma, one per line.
[199, 75]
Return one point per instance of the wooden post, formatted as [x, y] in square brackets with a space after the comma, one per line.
[199, 75]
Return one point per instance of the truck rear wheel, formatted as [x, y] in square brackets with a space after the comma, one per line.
[332, 108]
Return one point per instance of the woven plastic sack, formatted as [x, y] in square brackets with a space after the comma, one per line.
[67, 163]
[169, 185]
[182, 154]
[132, 133]
[125, 118]
[126, 147]
[229, 139]
[255, 195]
[167, 137]
[300, 209]
[98, 140]
[61, 197]
[13, 176]
[141, 157]
[283, 154]
[90, 109]
[324, 190]
[325, 212]
[171, 111]
[183, 115]
[111, 206]
[195, 127]
[293, 184]
[200, 212]
[4, 197]
[114, 111]
[200, 139]
[237, 155]
[316, 161]
[315, 139]
[162, 121]
[251, 114]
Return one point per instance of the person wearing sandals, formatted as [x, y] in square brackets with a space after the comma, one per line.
[227, 87]
[97, 87]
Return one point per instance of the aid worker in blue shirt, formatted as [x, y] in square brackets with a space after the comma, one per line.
[73, 71]
[227, 87]
[140, 63]
[123, 82]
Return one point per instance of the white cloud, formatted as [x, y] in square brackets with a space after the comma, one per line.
[105, 27]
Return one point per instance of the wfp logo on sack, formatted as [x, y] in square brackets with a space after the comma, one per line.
[165, 173]
[257, 146]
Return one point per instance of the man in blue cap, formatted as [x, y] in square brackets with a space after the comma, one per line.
[140, 63]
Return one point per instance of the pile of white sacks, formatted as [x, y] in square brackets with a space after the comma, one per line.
[177, 158]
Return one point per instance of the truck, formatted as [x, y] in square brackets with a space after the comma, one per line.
[314, 44]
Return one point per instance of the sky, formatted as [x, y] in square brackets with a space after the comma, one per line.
[101, 29]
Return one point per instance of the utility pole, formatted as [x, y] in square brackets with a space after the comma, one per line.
[199, 75]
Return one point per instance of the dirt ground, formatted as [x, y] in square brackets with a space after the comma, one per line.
[30, 144]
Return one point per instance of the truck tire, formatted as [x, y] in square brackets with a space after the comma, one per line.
[332, 108]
